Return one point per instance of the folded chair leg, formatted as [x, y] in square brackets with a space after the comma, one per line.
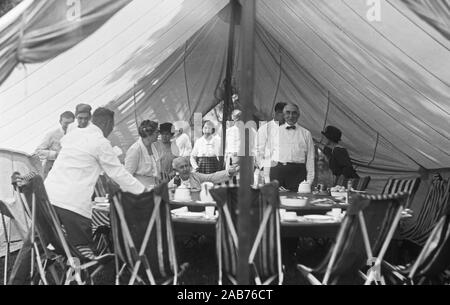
[8, 240]
[54, 274]
[39, 264]
[119, 274]
[307, 273]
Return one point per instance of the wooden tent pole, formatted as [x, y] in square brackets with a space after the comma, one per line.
[246, 220]
[227, 103]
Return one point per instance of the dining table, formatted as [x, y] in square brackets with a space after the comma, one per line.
[300, 214]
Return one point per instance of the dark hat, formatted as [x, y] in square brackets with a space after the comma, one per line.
[166, 127]
[83, 108]
[332, 133]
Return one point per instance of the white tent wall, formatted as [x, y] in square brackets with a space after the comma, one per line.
[143, 34]
[180, 86]
[380, 78]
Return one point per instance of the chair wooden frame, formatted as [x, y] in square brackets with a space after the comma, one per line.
[137, 258]
[73, 268]
[372, 258]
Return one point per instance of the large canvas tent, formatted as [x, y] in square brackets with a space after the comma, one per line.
[384, 82]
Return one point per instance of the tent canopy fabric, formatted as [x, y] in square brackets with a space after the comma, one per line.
[39, 30]
[384, 83]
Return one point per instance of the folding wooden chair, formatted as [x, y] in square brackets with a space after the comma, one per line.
[6, 212]
[48, 242]
[226, 232]
[418, 228]
[393, 206]
[143, 237]
[368, 221]
[433, 260]
[265, 254]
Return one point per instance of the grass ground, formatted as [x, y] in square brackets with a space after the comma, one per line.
[202, 270]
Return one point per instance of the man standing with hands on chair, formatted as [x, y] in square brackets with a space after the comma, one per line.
[85, 153]
[293, 152]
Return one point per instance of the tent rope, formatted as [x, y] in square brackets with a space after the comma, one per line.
[185, 77]
[280, 71]
[135, 110]
[374, 150]
[328, 109]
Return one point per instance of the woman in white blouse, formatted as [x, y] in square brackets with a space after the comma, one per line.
[206, 151]
[142, 159]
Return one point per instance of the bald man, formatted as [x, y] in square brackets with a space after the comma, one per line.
[294, 154]
[195, 179]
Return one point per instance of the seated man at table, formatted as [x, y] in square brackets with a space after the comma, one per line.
[85, 153]
[194, 179]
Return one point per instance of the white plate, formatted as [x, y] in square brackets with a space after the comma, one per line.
[319, 217]
[191, 214]
[293, 202]
[182, 201]
[204, 202]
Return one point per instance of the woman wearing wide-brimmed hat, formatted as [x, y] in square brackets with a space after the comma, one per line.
[338, 157]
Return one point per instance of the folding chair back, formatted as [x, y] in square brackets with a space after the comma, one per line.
[434, 258]
[368, 221]
[47, 229]
[265, 256]
[418, 228]
[347, 255]
[390, 208]
[359, 184]
[362, 183]
[143, 235]
[47, 222]
[394, 186]
[226, 231]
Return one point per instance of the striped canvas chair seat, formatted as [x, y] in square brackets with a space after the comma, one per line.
[143, 237]
[402, 185]
[418, 228]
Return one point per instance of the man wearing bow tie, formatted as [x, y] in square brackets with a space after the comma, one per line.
[294, 153]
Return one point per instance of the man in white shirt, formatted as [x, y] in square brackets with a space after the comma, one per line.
[85, 153]
[183, 141]
[235, 139]
[294, 152]
[49, 148]
[266, 140]
[232, 145]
